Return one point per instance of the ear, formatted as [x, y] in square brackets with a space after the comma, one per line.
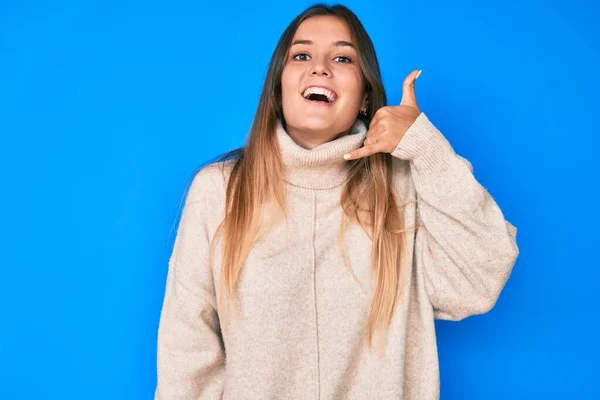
[364, 103]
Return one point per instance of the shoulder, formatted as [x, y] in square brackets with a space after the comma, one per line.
[209, 182]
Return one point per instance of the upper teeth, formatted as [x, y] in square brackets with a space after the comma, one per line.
[319, 90]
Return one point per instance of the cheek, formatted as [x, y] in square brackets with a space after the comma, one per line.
[352, 84]
[289, 82]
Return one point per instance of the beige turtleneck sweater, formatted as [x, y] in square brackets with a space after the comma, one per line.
[303, 317]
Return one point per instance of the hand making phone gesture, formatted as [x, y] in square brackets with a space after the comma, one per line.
[390, 123]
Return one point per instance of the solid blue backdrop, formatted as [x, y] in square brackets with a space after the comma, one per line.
[108, 107]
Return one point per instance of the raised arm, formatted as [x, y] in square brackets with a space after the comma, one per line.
[464, 246]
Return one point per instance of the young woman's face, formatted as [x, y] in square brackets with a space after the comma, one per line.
[322, 56]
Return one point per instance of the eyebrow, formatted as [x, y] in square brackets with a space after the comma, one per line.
[338, 43]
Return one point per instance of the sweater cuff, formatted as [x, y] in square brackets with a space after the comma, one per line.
[425, 146]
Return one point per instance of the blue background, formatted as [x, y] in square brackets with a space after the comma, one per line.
[108, 107]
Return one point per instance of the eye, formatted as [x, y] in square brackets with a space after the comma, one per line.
[295, 56]
[344, 57]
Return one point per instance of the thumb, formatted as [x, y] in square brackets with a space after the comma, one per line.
[408, 89]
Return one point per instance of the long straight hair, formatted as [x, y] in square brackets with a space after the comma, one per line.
[256, 179]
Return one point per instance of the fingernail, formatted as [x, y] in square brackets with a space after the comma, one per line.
[418, 73]
[346, 156]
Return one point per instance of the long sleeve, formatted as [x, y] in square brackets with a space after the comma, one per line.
[463, 246]
[190, 351]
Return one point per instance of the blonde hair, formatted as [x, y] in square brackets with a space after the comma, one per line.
[256, 181]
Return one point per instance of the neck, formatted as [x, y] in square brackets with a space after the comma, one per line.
[308, 140]
[323, 166]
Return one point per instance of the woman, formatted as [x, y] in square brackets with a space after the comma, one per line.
[298, 273]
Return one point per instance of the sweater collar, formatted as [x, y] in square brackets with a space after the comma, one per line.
[323, 167]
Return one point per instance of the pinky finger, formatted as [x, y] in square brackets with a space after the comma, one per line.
[362, 152]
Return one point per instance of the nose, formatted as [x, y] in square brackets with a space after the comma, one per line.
[319, 67]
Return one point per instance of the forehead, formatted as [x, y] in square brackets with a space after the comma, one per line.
[323, 28]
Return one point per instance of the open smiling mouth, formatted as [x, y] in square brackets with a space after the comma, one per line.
[320, 96]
